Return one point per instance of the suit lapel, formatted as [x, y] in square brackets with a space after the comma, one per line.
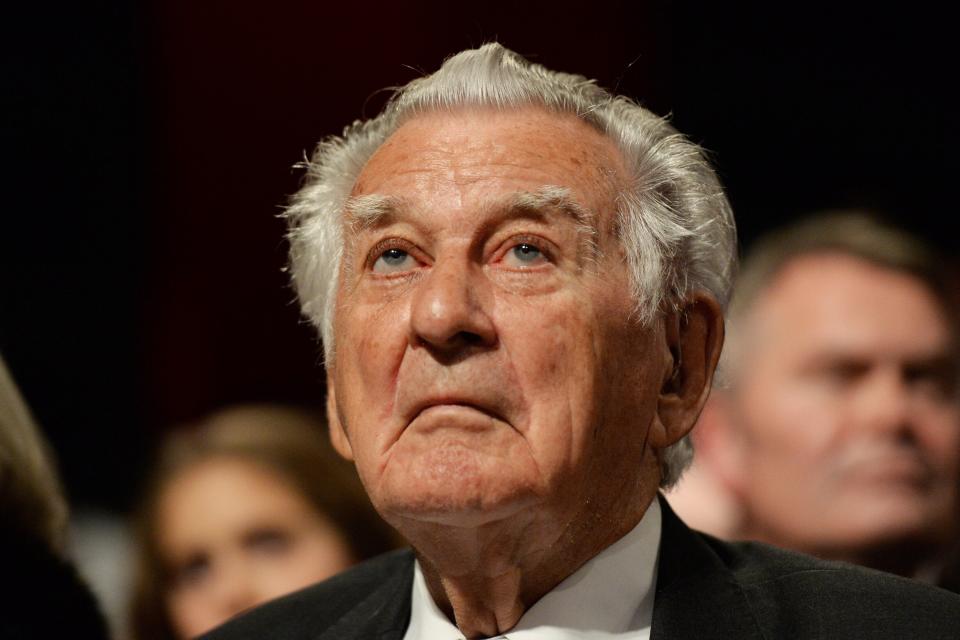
[383, 614]
[697, 595]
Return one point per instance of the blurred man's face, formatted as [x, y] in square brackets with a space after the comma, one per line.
[847, 407]
[487, 365]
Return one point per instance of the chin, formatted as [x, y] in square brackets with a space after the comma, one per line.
[448, 513]
[455, 482]
[460, 489]
[896, 516]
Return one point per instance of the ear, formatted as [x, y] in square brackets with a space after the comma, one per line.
[693, 338]
[338, 435]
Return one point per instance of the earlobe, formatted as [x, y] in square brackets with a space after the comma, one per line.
[338, 435]
[694, 337]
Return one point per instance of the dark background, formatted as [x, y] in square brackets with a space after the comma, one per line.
[148, 150]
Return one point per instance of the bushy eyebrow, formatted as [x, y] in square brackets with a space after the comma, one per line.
[552, 198]
[365, 212]
[374, 210]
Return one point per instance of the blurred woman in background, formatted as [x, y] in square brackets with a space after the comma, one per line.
[248, 506]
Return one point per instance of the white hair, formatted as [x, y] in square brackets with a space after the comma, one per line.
[675, 222]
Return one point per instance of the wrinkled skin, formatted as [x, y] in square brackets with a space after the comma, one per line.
[504, 408]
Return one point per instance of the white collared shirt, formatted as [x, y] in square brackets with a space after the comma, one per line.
[608, 598]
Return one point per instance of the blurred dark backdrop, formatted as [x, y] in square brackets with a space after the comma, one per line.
[148, 149]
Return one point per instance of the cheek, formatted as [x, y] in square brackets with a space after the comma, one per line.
[550, 351]
[322, 556]
[366, 370]
[790, 421]
[305, 566]
[938, 430]
[543, 348]
[573, 362]
[191, 613]
[314, 554]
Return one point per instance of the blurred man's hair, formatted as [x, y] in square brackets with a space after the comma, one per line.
[856, 233]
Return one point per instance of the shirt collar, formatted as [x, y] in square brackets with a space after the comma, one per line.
[609, 595]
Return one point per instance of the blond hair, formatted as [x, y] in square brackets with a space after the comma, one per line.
[31, 498]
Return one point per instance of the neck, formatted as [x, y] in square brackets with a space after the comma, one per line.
[485, 578]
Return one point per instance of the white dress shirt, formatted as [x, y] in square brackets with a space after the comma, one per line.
[608, 598]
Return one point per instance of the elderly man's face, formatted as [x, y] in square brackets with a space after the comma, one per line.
[846, 400]
[486, 357]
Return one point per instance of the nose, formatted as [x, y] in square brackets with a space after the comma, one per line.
[235, 591]
[450, 309]
[885, 402]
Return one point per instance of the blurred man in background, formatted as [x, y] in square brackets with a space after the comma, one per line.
[838, 430]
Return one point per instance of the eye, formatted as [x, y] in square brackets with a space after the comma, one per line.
[935, 380]
[524, 254]
[192, 572]
[394, 260]
[842, 374]
[268, 541]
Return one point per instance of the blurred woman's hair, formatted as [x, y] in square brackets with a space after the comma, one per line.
[31, 499]
[288, 442]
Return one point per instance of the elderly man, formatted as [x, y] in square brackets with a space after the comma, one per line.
[838, 430]
[518, 278]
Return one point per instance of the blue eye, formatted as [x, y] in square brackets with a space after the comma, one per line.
[524, 254]
[393, 260]
[394, 257]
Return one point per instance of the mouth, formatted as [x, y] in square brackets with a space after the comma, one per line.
[453, 403]
[893, 468]
[452, 407]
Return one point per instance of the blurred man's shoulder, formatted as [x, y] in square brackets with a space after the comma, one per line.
[708, 588]
[817, 598]
[369, 600]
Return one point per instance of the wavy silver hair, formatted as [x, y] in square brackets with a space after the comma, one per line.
[675, 223]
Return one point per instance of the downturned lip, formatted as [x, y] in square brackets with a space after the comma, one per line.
[424, 405]
[894, 467]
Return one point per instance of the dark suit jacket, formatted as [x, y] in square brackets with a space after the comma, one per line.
[705, 589]
[43, 596]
